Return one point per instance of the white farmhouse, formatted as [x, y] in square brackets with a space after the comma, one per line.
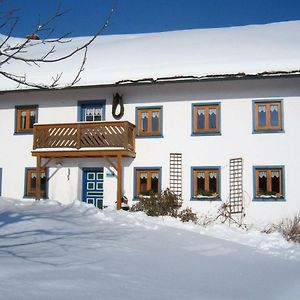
[193, 100]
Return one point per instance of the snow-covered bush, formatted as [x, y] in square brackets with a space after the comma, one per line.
[165, 203]
[187, 215]
[289, 228]
[206, 219]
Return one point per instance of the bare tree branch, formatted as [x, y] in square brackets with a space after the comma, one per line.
[21, 51]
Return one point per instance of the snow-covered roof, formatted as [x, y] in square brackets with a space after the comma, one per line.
[198, 53]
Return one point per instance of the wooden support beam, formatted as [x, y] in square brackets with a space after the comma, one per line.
[38, 178]
[46, 163]
[119, 181]
[110, 162]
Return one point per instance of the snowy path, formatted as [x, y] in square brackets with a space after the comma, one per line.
[49, 251]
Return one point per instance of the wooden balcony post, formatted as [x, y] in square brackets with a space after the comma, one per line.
[34, 137]
[78, 141]
[126, 133]
[133, 137]
[38, 178]
[119, 181]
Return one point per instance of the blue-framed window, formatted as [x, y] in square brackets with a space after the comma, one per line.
[25, 117]
[30, 183]
[267, 116]
[91, 110]
[147, 180]
[268, 183]
[205, 183]
[206, 118]
[149, 122]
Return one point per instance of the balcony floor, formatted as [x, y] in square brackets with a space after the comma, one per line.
[86, 152]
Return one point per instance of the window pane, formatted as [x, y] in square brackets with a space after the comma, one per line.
[143, 183]
[154, 182]
[262, 182]
[90, 185]
[91, 176]
[274, 114]
[144, 121]
[32, 118]
[212, 118]
[99, 176]
[23, 120]
[155, 121]
[43, 183]
[200, 183]
[99, 186]
[89, 115]
[32, 182]
[275, 182]
[200, 118]
[262, 116]
[97, 114]
[213, 182]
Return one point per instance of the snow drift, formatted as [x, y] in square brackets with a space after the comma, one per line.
[52, 251]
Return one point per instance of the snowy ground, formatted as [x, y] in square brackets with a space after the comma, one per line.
[50, 251]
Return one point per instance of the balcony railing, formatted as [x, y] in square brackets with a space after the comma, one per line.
[84, 135]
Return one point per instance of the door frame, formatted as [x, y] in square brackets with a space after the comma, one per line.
[93, 169]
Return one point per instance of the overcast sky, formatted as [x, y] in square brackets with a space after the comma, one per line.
[137, 16]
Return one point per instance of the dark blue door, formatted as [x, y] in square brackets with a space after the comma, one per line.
[93, 186]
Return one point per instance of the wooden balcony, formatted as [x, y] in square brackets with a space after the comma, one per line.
[84, 139]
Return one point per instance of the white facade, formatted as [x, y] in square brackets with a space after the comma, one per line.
[236, 140]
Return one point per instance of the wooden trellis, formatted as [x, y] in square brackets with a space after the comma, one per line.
[236, 203]
[233, 210]
[176, 173]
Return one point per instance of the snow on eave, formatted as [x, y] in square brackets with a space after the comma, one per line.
[175, 79]
[266, 74]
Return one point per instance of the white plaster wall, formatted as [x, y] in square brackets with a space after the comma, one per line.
[236, 139]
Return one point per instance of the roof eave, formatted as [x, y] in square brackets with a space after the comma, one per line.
[173, 79]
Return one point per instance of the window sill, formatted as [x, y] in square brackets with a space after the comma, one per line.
[205, 133]
[136, 198]
[267, 131]
[210, 199]
[149, 136]
[33, 198]
[268, 199]
[23, 133]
